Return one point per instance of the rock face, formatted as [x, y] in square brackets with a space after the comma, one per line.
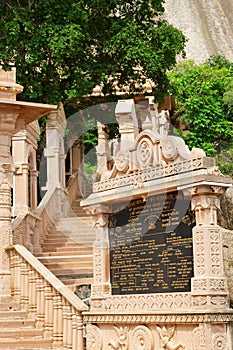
[207, 24]
[228, 259]
[226, 217]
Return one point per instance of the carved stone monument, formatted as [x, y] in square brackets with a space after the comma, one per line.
[159, 281]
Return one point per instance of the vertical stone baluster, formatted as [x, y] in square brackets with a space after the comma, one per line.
[74, 330]
[49, 310]
[32, 293]
[17, 286]
[13, 272]
[65, 323]
[69, 327]
[42, 286]
[36, 243]
[60, 320]
[40, 301]
[24, 285]
[79, 325]
[55, 317]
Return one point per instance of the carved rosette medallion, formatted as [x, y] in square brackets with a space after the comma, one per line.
[121, 162]
[141, 339]
[169, 148]
[145, 153]
[94, 338]
[219, 342]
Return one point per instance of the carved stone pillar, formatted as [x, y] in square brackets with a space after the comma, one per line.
[209, 285]
[54, 151]
[128, 123]
[101, 284]
[24, 146]
[7, 126]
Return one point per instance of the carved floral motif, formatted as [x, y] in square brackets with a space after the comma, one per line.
[199, 338]
[144, 153]
[94, 338]
[219, 342]
[151, 301]
[141, 339]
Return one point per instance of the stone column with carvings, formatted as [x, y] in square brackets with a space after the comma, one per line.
[8, 117]
[54, 151]
[209, 286]
[101, 285]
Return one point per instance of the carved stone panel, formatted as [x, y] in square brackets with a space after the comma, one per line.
[151, 245]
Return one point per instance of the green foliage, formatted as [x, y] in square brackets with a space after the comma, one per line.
[204, 103]
[62, 49]
[225, 161]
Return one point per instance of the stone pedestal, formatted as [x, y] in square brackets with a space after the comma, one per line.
[195, 313]
[14, 116]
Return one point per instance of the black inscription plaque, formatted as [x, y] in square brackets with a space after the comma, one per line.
[151, 245]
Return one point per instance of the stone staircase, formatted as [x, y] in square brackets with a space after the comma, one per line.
[18, 330]
[67, 250]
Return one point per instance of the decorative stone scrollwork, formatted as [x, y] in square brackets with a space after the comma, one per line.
[94, 338]
[141, 339]
[122, 342]
[145, 152]
[121, 162]
[169, 148]
[199, 338]
[219, 300]
[166, 334]
[173, 148]
[199, 300]
[219, 342]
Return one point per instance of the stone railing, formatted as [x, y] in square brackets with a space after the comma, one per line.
[73, 190]
[53, 205]
[25, 229]
[76, 187]
[56, 308]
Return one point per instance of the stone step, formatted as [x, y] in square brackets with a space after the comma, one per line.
[72, 282]
[13, 323]
[12, 314]
[18, 333]
[79, 273]
[6, 305]
[26, 343]
[61, 252]
[66, 259]
[57, 245]
[63, 265]
[65, 250]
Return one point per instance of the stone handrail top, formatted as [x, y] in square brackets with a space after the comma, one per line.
[21, 217]
[49, 277]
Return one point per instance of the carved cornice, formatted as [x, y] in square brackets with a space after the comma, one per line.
[151, 173]
[149, 318]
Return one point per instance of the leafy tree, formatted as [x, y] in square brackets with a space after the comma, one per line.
[62, 49]
[203, 95]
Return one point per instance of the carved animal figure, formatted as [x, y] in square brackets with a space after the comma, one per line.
[121, 343]
[166, 335]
